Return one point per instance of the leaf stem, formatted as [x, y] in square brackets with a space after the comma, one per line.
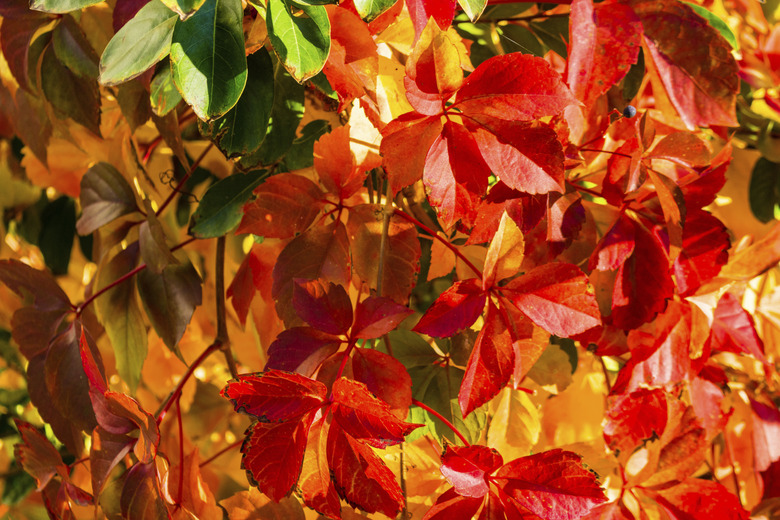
[440, 239]
[442, 419]
[605, 151]
[180, 490]
[513, 18]
[222, 333]
[221, 452]
[186, 177]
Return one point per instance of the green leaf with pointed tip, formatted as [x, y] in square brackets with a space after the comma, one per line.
[716, 23]
[286, 114]
[121, 316]
[164, 96]
[61, 6]
[301, 154]
[473, 8]
[369, 10]
[301, 39]
[764, 190]
[139, 44]
[219, 210]
[105, 196]
[169, 299]
[242, 130]
[184, 8]
[70, 95]
[73, 49]
[208, 58]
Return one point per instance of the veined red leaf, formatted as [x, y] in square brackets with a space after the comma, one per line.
[557, 297]
[552, 485]
[316, 485]
[701, 189]
[452, 505]
[604, 41]
[625, 171]
[525, 157]
[615, 246]
[420, 11]
[376, 316]
[683, 148]
[273, 455]
[361, 477]
[25, 280]
[284, 206]
[455, 309]
[755, 259]
[364, 417]
[514, 87]
[491, 364]
[467, 468]
[696, 498]
[242, 289]
[634, 417]
[141, 495]
[433, 71]
[733, 329]
[106, 451]
[275, 396]
[701, 81]
[704, 251]
[37, 455]
[385, 377]
[643, 282]
[766, 432]
[526, 210]
[301, 349]
[120, 414]
[673, 207]
[405, 144]
[336, 165]
[505, 253]
[613, 511]
[324, 307]
[455, 175]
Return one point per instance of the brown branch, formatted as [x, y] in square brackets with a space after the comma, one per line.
[222, 333]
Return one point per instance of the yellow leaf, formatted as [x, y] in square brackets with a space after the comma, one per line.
[515, 426]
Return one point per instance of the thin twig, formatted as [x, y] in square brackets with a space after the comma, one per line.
[177, 391]
[442, 419]
[189, 173]
[180, 491]
[222, 332]
[221, 452]
[606, 374]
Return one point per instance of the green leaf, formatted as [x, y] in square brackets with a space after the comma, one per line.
[58, 229]
[208, 58]
[121, 316]
[105, 196]
[301, 154]
[155, 252]
[73, 49]
[134, 102]
[170, 299]
[243, 128]
[369, 10]
[716, 23]
[61, 6]
[184, 8]
[764, 190]
[220, 209]
[473, 8]
[70, 95]
[286, 114]
[164, 96]
[301, 40]
[139, 44]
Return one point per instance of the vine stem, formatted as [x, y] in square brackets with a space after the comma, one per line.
[435, 235]
[189, 173]
[221, 452]
[180, 490]
[442, 419]
[222, 333]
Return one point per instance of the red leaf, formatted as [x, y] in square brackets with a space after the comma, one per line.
[604, 41]
[505, 253]
[625, 171]
[335, 163]
[643, 282]
[527, 158]
[300, 349]
[141, 498]
[514, 87]
[284, 206]
[405, 144]
[615, 246]
[733, 329]
[37, 456]
[695, 498]
[491, 364]
[420, 11]
[683, 148]
[455, 309]
[316, 485]
[433, 71]
[455, 175]
[704, 251]
[107, 450]
[467, 468]
[632, 418]
[700, 189]
[242, 289]
[526, 211]
[275, 396]
[612, 511]
[701, 81]
[385, 377]
[365, 417]
[327, 308]
[120, 414]
[557, 297]
[766, 434]
[375, 317]
[553, 485]
[273, 455]
[452, 505]
[361, 477]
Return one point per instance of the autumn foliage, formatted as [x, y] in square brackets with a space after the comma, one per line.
[287, 259]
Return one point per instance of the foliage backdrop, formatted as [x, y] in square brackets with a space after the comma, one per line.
[445, 259]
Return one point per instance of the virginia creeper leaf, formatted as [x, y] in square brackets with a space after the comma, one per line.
[105, 195]
[405, 144]
[220, 209]
[634, 417]
[615, 246]
[385, 377]
[324, 307]
[505, 253]
[335, 163]
[694, 498]
[301, 349]
[455, 309]
[208, 60]
[37, 455]
[442, 12]
[733, 329]
[316, 484]
[141, 495]
[275, 396]
[467, 468]
[376, 316]
[142, 42]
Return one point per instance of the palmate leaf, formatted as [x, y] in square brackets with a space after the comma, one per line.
[208, 59]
